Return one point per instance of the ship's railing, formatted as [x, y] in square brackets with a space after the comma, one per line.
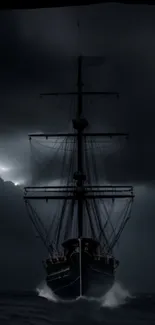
[106, 259]
[56, 259]
[100, 256]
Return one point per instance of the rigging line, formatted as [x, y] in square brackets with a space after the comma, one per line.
[37, 218]
[53, 247]
[49, 162]
[33, 159]
[64, 157]
[60, 209]
[49, 147]
[55, 143]
[100, 148]
[63, 161]
[86, 163]
[87, 169]
[93, 159]
[71, 213]
[60, 222]
[73, 157]
[33, 154]
[102, 232]
[95, 204]
[72, 160]
[105, 225]
[64, 204]
[45, 146]
[50, 228]
[71, 165]
[71, 106]
[90, 219]
[96, 216]
[28, 207]
[119, 234]
[123, 213]
[108, 215]
[121, 216]
[34, 213]
[94, 164]
[101, 228]
[98, 223]
[55, 225]
[117, 144]
[113, 238]
[97, 147]
[89, 182]
[127, 211]
[125, 220]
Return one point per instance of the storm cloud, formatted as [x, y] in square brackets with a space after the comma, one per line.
[38, 54]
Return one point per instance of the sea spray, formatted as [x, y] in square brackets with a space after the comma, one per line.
[115, 297]
[44, 291]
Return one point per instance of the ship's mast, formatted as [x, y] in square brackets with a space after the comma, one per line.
[80, 124]
[79, 192]
[79, 143]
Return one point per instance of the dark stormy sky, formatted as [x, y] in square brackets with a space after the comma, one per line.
[37, 54]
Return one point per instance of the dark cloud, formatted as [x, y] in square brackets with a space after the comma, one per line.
[35, 54]
[21, 253]
[136, 249]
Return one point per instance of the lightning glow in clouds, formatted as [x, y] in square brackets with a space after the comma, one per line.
[4, 169]
[6, 173]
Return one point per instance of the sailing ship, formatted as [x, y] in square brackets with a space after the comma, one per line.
[81, 261]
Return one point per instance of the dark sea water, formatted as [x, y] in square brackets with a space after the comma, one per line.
[117, 307]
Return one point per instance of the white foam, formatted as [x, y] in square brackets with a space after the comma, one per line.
[116, 296]
[44, 291]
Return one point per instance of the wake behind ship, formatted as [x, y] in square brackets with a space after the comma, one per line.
[82, 234]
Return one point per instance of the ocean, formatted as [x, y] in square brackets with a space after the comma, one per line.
[40, 307]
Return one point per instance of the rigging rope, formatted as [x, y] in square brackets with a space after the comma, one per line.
[125, 220]
[95, 203]
[71, 165]
[90, 219]
[108, 215]
[52, 159]
[31, 212]
[89, 182]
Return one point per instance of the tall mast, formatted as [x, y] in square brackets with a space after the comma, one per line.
[80, 124]
[79, 191]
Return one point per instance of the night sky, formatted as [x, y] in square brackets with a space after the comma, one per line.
[37, 54]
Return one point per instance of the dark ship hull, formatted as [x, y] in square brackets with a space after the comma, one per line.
[95, 283]
[81, 274]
